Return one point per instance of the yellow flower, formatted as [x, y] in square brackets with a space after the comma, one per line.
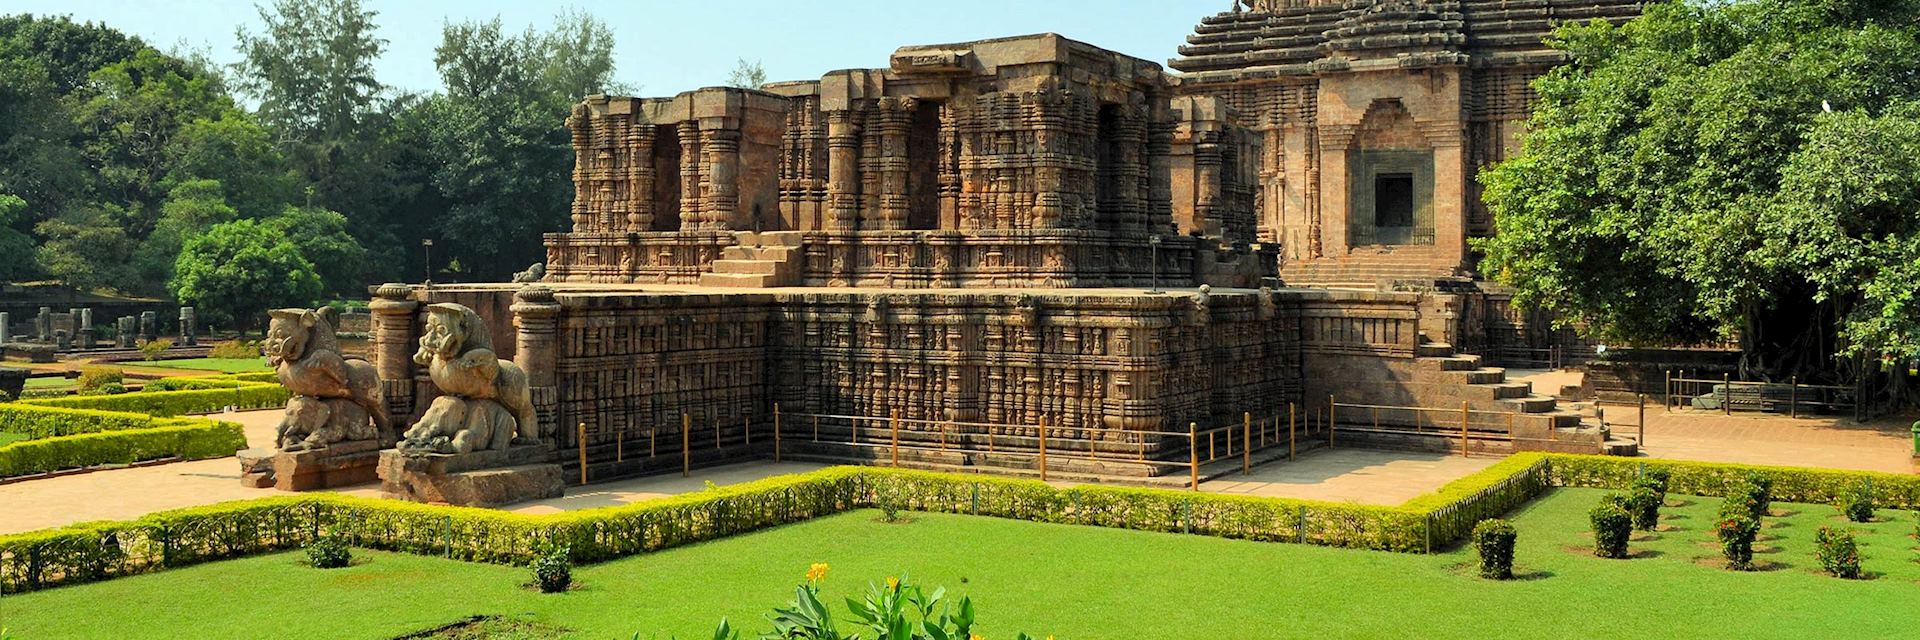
[817, 572]
[975, 636]
[893, 584]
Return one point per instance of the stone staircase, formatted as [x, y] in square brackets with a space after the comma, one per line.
[1444, 379]
[1366, 268]
[758, 260]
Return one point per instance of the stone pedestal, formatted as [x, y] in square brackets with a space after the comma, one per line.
[188, 326]
[256, 467]
[148, 321]
[339, 465]
[123, 334]
[478, 479]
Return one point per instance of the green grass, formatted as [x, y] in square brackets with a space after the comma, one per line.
[7, 438]
[1075, 582]
[222, 365]
[49, 383]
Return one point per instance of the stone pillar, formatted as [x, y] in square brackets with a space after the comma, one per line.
[147, 321]
[893, 122]
[843, 170]
[691, 160]
[43, 325]
[580, 127]
[1049, 117]
[723, 169]
[188, 319]
[86, 331]
[6, 327]
[640, 179]
[393, 346]
[124, 332]
[73, 321]
[536, 318]
[61, 340]
[1206, 182]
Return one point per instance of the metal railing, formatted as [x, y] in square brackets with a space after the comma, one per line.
[1728, 395]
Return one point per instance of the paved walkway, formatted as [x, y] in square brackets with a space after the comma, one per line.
[1365, 476]
[1756, 438]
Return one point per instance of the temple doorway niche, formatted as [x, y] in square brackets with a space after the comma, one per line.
[666, 178]
[1390, 179]
[1106, 187]
[923, 167]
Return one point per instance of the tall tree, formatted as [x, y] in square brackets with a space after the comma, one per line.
[1681, 180]
[236, 271]
[13, 243]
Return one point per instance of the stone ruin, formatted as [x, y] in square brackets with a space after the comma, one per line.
[974, 239]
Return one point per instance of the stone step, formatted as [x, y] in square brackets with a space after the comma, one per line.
[1433, 350]
[746, 267]
[1532, 404]
[742, 280]
[1449, 363]
[1620, 447]
[1483, 375]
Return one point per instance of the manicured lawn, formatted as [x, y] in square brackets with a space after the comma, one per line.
[49, 383]
[7, 438]
[1074, 582]
[222, 365]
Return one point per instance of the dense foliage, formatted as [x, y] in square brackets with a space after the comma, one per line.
[553, 570]
[1493, 540]
[1612, 527]
[118, 160]
[1737, 533]
[329, 552]
[1745, 168]
[1838, 552]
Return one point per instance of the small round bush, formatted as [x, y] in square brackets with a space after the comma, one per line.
[1743, 500]
[1611, 528]
[553, 571]
[96, 380]
[1659, 478]
[329, 552]
[1644, 505]
[1493, 539]
[1736, 532]
[1857, 504]
[1839, 555]
[1762, 487]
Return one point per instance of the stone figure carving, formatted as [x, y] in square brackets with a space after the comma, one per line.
[335, 398]
[534, 273]
[485, 402]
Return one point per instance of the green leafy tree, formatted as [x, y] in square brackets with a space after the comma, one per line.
[14, 243]
[1681, 181]
[237, 270]
[189, 210]
[322, 238]
[239, 153]
[87, 248]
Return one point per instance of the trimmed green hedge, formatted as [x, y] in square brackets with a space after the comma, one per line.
[192, 440]
[175, 403]
[1715, 479]
[35, 421]
[100, 550]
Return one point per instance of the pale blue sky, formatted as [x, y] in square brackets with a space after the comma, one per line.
[667, 47]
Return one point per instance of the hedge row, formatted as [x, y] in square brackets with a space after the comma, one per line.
[35, 422]
[1715, 479]
[175, 538]
[189, 439]
[175, 403]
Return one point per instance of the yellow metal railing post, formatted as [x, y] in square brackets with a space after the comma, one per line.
[1292, 428]
[1246, 443]
[1466, 415]
[1193, 454]
[1331, 403]
[686, 445]
[894, 417]
[1043, 448]
[776, 432]
[583, 452]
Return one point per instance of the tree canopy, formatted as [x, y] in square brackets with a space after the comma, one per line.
[1744, 169]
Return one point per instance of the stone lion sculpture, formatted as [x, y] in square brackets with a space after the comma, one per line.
[335, 398]
[485, 401]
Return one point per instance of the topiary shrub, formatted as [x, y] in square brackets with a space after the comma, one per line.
[329, 551]
[1837, 552]
[94, 380]
[1736, 532]
[553, 570]
[1493, 539]
[1644, 506]
[1657, 478]
[1858, 504]
[1611, 528]
[1762, 488]
[1743, 500]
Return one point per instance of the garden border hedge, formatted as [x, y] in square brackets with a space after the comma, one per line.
[245, 395]
[1714, 479]
[37, 421]
[191, 440]
[99, 550]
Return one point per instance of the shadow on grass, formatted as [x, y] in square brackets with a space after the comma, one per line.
[1758, 566]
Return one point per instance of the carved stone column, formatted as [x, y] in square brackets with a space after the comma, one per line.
[189, 321]
[690, 164]
[579, 125]
[1048, 117]
[843, 170]
[536, 318]
[1206, 182]
[393, 346]
[723, 167]
[640, 179]
[894, 120]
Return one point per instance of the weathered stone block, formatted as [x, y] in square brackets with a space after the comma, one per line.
[478, 479]
[339, 465]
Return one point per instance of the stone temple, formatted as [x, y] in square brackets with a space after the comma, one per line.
[980, 247]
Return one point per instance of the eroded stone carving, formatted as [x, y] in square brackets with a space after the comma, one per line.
[335, 398]
[485, 402]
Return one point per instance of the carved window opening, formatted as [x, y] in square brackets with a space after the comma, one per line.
[1393, 200]
[923, 167]
[666, 178]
